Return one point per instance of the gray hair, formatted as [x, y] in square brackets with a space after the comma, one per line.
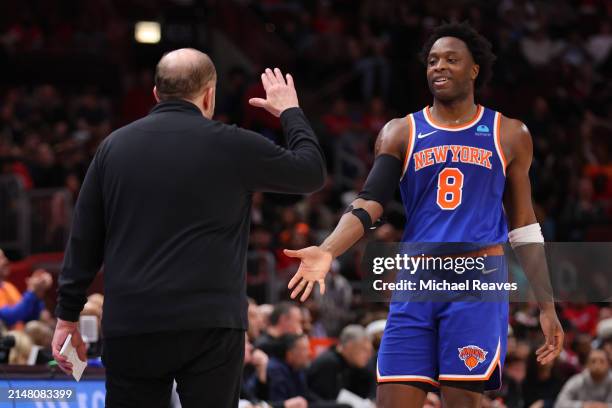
[353, 332]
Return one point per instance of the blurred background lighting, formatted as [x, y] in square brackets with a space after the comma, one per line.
[147, 32]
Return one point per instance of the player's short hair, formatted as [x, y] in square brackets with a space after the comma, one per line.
[479, 47]
[280, 309]
[183, 74]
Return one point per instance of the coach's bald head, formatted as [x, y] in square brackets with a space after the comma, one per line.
[187, 74]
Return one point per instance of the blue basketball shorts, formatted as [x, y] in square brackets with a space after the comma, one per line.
[430, 341]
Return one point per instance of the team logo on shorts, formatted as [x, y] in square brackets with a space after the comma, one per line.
[472, 356]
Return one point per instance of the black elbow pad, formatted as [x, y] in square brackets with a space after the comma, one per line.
[382, 181]
[364, 217]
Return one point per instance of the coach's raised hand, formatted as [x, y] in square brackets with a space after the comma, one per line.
[280, 94]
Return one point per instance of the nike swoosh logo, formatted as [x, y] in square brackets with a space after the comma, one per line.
[423, 135]
[488, 271]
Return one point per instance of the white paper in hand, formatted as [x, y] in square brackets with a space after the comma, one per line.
[78, 366]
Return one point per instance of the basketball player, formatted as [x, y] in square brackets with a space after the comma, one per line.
[458, 165]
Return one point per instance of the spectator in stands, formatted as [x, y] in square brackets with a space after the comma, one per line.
[582, 347]
[306, 320]
[254, 385]
[600, 44]
[604, 336]
[265, 310]
[343, 366]
[538, 48]
[15, 308]
[286, 371]
[374, 69]
[335, 306]
[337, 121]
[286, 318]
[592, 388]
[375, 332]
[93, 307]
[30, 306]
[231, 102]
[255, 380]
[568, 356]
[41, 335]
[256, 322]
[542, 382]
[20, 352]
[375, 118]
[511, 392]
[45, 169]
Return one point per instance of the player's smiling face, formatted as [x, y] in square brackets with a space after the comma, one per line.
[451, 70]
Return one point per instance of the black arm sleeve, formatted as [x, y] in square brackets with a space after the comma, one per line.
[298, 169]
[382, 181]
[85, 250]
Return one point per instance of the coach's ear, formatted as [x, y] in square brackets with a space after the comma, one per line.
[155, 95]
[208, 102]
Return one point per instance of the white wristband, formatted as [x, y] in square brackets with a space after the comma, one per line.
[528, 234]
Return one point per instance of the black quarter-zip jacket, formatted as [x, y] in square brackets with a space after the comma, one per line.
[165, 208]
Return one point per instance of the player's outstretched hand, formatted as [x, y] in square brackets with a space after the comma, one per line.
[280, 94]
[553, 333]
[314, 265]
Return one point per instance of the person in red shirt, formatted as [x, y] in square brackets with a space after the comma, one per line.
[582, 316]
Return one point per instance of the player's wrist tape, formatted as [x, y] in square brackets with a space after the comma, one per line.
[363, 216]
[382, 180]
[529, 234]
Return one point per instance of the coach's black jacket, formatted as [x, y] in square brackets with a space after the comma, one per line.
[165, 206]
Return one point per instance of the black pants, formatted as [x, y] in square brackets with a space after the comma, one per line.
[206, 364]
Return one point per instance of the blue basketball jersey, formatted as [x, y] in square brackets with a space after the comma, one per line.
[453, 180]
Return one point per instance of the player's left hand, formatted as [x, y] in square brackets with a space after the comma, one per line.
[314, 265]
[553, 333]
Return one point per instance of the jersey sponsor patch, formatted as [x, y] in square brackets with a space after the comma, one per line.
[472, 356]
[482, 130]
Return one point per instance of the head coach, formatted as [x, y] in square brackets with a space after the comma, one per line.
[165, 208]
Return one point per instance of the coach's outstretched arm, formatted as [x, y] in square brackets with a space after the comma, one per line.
[379, 188]
[525, 235]
[264, 166]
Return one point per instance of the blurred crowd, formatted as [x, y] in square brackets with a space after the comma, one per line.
[287, 362]
[27, 324]
[356, 67]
